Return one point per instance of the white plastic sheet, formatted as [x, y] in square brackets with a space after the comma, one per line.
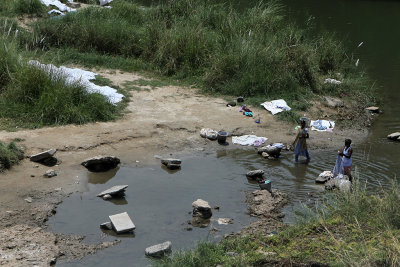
[55, 11]
[105, 2]
[249, 140]
[322, 125]
[276, 106]
[82, 77]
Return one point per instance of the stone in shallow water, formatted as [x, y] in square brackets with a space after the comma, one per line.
[122, 222]
[255, 174]
[101, 163]
[50, 173]
[159, 250]
[115, 190]
[172, 164]
[324, 177]
[43, 155]
[201, 209]
[373, 109]
[106, 226]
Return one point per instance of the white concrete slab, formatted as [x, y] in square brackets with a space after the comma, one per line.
[122, 222]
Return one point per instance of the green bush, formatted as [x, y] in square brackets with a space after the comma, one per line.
[9, 155]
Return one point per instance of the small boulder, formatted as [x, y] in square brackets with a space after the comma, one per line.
[265, 155]
[43, 155]
[333, 102]
[324, 177]
[159, 250]
[50, 173]
[106, 226]
[394, 136]
[225, 221]
[101, 163]
[255, 174]
[373, 109]
[201, 209]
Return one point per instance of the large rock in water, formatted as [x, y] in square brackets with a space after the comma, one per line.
[324, 177]
[394, 136]
[43, 155]
[101, 163]
[159, 250]
[201, 209]
[255, 174]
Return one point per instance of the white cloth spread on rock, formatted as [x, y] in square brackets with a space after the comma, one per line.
[276, 106]
[81, 77]
[249, 140]
[322, 125]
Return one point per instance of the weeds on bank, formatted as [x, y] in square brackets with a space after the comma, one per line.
[9, 155]
[20, 7]
[345, 229]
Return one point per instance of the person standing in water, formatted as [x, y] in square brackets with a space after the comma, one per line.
[300, 143]
[347, 158]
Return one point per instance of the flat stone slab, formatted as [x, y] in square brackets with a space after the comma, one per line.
[255, 173]
[115, 190]
[101, 163]
[122, 222]
[43, 155]
[394, 136]
[159, 250]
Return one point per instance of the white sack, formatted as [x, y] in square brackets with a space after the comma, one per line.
[276, 106]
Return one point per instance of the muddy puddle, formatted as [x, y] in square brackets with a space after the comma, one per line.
[159, 201]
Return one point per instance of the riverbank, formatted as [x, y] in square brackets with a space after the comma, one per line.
[160, 121]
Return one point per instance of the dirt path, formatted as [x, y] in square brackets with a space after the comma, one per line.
[159, 121]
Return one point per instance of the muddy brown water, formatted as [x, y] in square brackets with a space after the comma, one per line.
[159, 201]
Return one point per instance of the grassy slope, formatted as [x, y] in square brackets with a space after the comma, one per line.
[353, 229]
[254, 53]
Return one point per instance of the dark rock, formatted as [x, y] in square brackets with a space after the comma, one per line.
[106, 226]
[171, 161]
[43, 155]
[101, 163]
[255, 174]
[232, 104]
[240, 99]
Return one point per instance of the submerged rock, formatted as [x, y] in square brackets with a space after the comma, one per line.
[43, 155]
[107, 197]
[159, 250]
[101, 163]
[201, 209]
[255, 174]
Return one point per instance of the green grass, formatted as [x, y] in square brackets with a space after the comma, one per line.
[12, 8]
[253, 53]
[31, 98]
[345, 229]
[10, 154]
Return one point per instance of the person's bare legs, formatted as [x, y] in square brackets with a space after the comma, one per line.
[347, 171]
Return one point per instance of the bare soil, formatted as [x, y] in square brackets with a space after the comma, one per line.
[162, 121]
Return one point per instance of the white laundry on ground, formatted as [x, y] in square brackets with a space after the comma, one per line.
[62, 7]
[332, 81]
[249, 140]
[322, 125]
[276, 106]
[82, 77]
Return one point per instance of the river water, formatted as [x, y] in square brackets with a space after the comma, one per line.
[159, 202]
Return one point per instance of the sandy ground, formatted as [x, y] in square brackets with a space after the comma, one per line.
[163, 121]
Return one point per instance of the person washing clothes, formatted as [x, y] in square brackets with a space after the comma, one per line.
[301, 145]
[347, 158]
